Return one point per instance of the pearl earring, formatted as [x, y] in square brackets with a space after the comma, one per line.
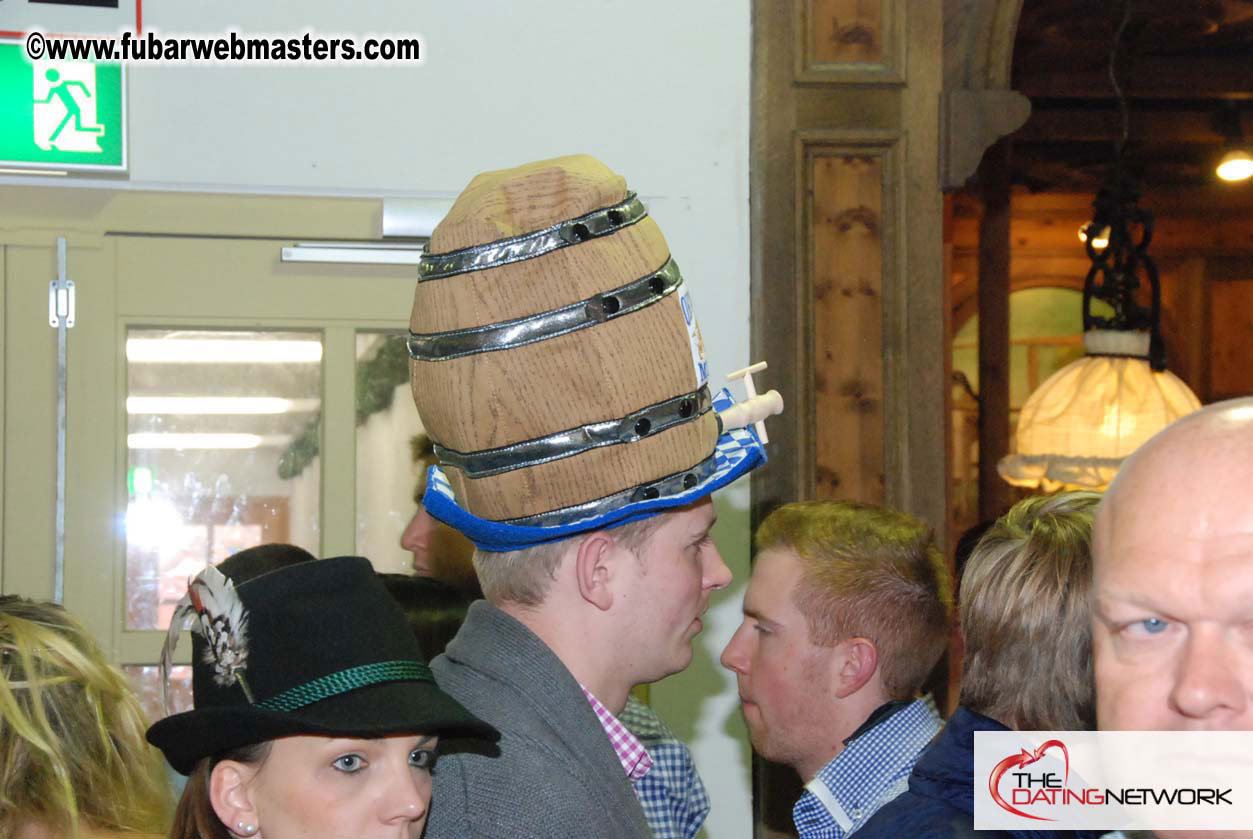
[245, 829]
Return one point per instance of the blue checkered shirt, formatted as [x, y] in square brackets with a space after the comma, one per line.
[872, 769]
[674, 799]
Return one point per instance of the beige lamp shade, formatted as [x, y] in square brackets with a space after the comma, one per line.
[1077, 427]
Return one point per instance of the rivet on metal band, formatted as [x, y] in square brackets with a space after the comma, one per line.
[634, 426]
[602, 222]
[635, 295]
[666, 487]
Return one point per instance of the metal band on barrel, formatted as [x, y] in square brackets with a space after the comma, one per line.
[634, 426]
[602, 222]
[666, 487]
[635, 295]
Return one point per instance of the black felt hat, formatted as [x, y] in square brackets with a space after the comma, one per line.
[316, 648]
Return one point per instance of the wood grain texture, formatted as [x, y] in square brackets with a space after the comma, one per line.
[1189, 222]
[1231, 319]
[542, 284]
[845, 31]
[849, 42]
[887, 109]
[1185, 322]
[1203, 238]
[593, 474]
[995, 495]
[847, 285]
[603, 372]
[509, 202]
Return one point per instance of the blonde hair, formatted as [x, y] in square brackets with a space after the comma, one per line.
[1025, 616]
[523, 577]
[868, 572]
[72, 748]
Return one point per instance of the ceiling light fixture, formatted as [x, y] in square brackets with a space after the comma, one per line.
[218, 405]
[222, 351]
[1236, 165]
[204, 441]
[1075, 430]
[353, 253]
[1100, 241]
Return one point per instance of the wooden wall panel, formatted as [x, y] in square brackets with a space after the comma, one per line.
[845, 191]
[992, 294]
[1201, 222]
[847, 269]
[849, 41]
[1185, 322]
[1231, 336]
[1202, 245]
[845, 31]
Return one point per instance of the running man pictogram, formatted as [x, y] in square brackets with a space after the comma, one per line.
[63, 92]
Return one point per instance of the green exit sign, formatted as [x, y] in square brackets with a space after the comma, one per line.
[61, 114]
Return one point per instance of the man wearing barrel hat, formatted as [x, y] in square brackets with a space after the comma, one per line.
[557, 367]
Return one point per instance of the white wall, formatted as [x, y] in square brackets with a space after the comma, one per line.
[659, 90]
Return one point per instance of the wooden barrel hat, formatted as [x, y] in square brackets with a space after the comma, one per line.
[556, 362]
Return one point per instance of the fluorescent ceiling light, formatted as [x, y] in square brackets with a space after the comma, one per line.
[353, 253]
[218, 405]
[204, 441]
[8, 171]
[223, 351]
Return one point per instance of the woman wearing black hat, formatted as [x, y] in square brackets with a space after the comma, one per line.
[315, 714]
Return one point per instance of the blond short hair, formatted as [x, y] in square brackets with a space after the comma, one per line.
[523, 577]
[1025, 616]
[72, 748]
[868, 572]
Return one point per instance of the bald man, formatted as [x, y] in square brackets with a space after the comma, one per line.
[1172, 626]
[1173, 579]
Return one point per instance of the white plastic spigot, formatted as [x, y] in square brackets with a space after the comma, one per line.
[753, 410]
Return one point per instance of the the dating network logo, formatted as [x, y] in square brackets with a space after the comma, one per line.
[1030, 788]
[1039, 787]
[1113, 780]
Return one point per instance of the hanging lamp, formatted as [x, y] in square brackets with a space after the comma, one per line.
[1076, 428]
[1236, 164]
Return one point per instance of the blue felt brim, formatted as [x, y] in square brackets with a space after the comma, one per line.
[737, 452]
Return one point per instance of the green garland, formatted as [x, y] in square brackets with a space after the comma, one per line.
[377, 378]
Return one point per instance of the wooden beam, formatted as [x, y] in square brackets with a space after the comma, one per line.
[1050, 122]
[1190, 77]
[993, 296]
[1185, 325]
[1229, 333]
[1058, 234]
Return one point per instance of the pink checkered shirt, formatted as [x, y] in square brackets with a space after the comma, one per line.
[631, 752]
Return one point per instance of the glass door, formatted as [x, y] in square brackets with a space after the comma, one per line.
[249, 405]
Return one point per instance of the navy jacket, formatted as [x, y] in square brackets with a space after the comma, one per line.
[940, 801]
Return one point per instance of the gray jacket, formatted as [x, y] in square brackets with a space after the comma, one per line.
[554, 774]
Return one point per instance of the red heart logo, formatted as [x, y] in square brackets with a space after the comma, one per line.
[1025, 758]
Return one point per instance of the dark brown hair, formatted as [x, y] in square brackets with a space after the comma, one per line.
[435, 609]
[195, 817]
